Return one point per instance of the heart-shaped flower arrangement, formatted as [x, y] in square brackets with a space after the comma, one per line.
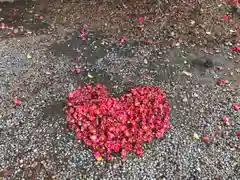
[109, 124]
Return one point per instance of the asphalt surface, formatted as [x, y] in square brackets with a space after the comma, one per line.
[36, 68]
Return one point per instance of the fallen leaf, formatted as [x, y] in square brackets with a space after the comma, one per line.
[196, 136]
[29, 56]
[90, 75]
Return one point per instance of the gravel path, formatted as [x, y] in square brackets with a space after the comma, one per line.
[35, 143]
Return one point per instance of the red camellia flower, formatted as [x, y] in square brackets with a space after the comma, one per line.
[107, 124]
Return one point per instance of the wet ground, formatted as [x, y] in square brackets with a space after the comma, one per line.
[177, 49]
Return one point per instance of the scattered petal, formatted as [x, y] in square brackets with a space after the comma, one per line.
[236, 48]
[85, 25]
[221, 82]
[225, 17]
[73, 69]
[226, 120]
[83, 38]
[238, 134]
[78, 70]
[236, 106]
[82, 31]
[17, 101]
[3, 26]
[148, 41]
[205, 138]
[123, 40]
[141, 19]
[41, 17]
[142, 76]
[116, 147]
[219, 67]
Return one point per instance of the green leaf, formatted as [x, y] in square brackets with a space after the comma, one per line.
[90, 76]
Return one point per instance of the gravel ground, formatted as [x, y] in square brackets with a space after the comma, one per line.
[36, 68]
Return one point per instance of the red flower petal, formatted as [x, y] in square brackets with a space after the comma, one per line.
[225, 17]
[141, 19]
[78, 70]
[139, 151]
[221, 82]
[82, 31]
[226, 120]
[73, 69]
[236, 106]
[236, 49]
[105, 123]
[117, 147]
[219, 67]
[238, 133]
[17, 101]
[206, 138]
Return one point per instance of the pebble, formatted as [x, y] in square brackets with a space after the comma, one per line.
[145, 61]
[185, 99]
[195, 95]
[201, 110]
[15, 31]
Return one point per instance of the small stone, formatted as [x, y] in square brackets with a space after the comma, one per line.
[145, 61]
[198, 169]
[195, 95]
[208, 63]
[29, 56]
[185, 99]
[187, 73]
[192, 22]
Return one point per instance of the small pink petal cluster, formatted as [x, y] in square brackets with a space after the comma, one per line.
[84, 32]
[109, 124]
